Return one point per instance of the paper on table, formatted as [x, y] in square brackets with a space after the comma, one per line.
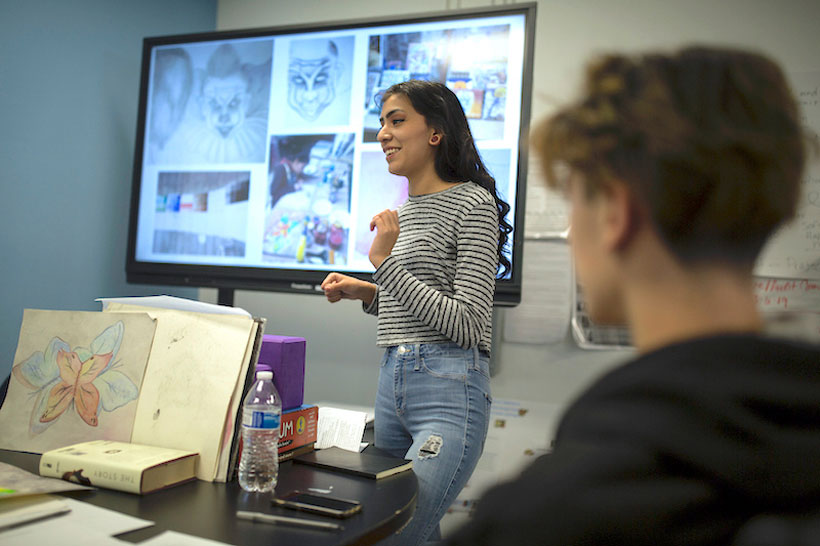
[19, 510]
[85, 524]
[172, 538]
[341, 428]
[104, 520]
[195, 363]
[65, 533]
[370, 411]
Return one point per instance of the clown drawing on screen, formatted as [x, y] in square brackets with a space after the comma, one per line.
[318, 82]
[226, 118]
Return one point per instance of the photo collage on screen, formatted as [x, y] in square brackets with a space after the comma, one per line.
[263, 151]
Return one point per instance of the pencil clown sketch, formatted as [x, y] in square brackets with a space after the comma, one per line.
[81, 379]
[319, 73]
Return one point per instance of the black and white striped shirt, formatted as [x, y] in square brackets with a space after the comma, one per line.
[437, 285]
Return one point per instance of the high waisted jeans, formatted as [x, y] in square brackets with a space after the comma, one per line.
[433, 406]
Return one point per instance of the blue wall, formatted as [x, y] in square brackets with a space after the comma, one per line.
[69, 79]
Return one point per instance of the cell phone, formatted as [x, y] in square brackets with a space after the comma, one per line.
[318, 504]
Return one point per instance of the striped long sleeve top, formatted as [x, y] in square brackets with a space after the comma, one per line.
[437, 285]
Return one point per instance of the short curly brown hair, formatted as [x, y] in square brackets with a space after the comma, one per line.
[709, 139]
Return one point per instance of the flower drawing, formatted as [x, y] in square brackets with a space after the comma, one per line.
[83, 378]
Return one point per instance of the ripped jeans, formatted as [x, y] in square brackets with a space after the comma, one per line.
[433, 406]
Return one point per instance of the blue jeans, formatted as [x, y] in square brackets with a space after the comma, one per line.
[433, 406]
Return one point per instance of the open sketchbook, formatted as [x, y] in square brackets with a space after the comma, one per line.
[134, 373]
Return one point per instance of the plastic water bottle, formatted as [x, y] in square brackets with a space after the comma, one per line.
[261, 415]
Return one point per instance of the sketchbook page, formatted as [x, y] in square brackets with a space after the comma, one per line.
[544, 311]
[794, 250]
[341, 428]
[173, 302]
[195, 363]
[190, 382]
[76, 377]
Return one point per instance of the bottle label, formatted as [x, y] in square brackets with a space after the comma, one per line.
[260, 420]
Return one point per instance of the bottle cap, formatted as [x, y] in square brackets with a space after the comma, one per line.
[264, 374]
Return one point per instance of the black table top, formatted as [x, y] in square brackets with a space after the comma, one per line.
[208, 509]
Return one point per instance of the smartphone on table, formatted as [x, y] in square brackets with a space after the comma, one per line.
[318, 504]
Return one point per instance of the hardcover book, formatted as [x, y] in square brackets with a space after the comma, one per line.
[133, 468]
[368, 465]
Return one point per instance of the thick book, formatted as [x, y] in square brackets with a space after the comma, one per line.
[368, 465]
[133, 468]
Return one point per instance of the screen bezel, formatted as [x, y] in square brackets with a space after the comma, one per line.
[294, 280]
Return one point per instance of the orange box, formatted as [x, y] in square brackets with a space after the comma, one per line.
[299, 427]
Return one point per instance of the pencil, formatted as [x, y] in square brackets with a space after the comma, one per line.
[270, 518]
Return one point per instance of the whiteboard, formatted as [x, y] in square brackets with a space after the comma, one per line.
[794, 251]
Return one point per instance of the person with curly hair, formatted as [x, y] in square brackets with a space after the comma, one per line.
[677, 168]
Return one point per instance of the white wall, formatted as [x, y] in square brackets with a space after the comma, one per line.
[341, 354]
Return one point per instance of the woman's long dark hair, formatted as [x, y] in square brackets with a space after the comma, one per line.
[457, 159]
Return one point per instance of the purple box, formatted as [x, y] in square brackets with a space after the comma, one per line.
[285, 356]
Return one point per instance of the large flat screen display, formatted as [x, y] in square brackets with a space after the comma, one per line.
[257, 165]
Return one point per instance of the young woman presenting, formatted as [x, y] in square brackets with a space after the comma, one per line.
[436, 261]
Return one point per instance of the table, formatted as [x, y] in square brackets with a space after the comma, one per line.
[208, 509]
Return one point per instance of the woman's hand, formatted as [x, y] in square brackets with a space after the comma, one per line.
[341, 287]
[386, 224]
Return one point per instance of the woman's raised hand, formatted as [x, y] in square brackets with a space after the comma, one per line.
[386, 224]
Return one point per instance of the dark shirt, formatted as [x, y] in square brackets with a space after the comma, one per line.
[282, 181]
[680, 446]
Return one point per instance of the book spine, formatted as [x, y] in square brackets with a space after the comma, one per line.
[301, 450]
[86, 472]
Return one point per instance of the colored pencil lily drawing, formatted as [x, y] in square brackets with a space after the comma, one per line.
[83, 378]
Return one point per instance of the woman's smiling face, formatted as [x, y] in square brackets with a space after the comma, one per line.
[406, 139]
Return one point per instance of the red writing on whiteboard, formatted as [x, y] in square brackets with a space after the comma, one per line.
[776, 292]
[783, 285]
